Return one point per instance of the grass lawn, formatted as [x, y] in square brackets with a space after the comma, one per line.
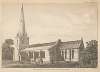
[29, 65]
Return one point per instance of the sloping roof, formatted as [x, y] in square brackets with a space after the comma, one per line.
[37, 48]
[61, 45]
[70, 44]
[43, 44]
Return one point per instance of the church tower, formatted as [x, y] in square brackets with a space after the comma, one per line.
[22, 40]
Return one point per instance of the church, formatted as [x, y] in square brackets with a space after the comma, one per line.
[45, 53]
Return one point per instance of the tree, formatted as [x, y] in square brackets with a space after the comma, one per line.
[7, 50]
[89, 56]
[92, 51]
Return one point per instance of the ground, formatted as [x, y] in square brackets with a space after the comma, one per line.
[29, 65]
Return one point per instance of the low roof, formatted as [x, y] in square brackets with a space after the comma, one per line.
[62, 45]
[43, 44]
[70, 44]
[37, 48]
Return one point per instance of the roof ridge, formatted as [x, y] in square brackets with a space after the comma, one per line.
[72, 41]
[52, 43]
[41, 44]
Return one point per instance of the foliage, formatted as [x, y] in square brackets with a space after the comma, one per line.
[7, 49]
[89, 56]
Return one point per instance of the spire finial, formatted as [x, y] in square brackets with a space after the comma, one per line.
[22, 5]
[81, 38]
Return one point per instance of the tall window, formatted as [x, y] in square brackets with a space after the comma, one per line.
[72, 54]
[65, 53]
[62, 53]
[36, 55]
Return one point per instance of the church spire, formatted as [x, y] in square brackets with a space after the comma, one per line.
[22, 21]
[23, 39]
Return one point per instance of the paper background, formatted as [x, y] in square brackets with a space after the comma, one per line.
[48, 69]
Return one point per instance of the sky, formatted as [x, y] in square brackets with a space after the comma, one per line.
[49, 22]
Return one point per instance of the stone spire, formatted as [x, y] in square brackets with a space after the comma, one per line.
[22, 22]
[23, 39]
